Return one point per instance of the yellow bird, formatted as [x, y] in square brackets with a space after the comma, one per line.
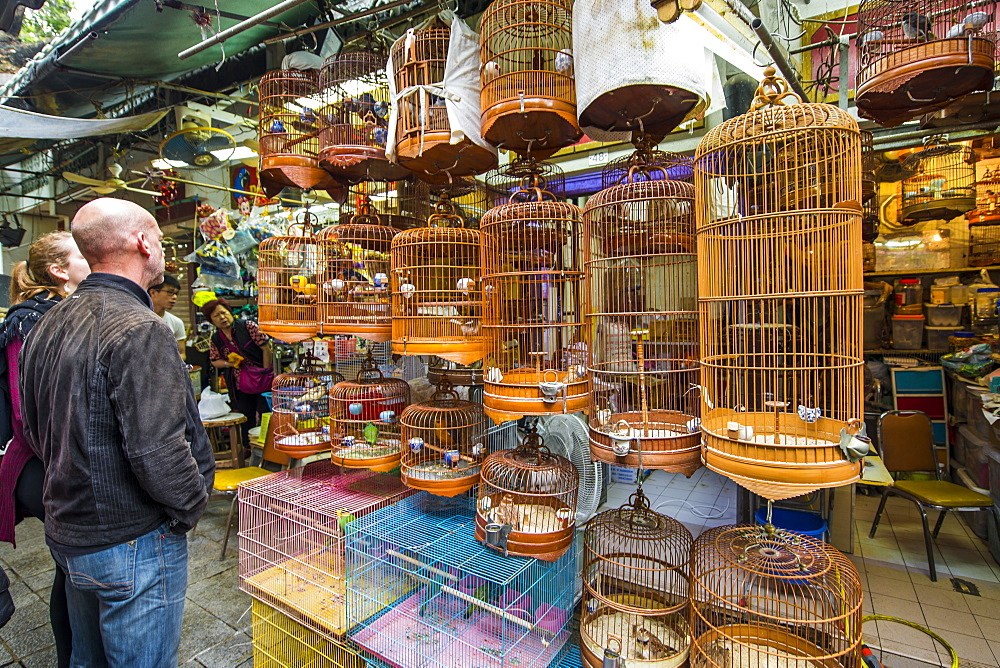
[302, 285]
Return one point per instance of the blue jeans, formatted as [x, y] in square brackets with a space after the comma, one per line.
[126, 603]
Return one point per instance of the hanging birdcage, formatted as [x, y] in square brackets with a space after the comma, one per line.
[943, 184]
[984, 221]
[444, 443]
[529, 97]
[642, 281]
[762, 596]
[780, 295]
[919, 56]
[301, 409]
[353, 294]
[533, 310]
[459, 375]
[356, 103]
[869, 187]
[402, 205]
[436, 289]
[364, 419]
[527, 501]
[288, 270]
[434, 135]
[288, 130]
[635, 581]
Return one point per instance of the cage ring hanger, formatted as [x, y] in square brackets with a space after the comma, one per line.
[772, 91]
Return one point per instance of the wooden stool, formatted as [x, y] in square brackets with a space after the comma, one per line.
[231, 420]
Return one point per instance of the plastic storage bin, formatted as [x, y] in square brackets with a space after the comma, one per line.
[976, 455]
[944, 315]
[874, 326]
[937, 337]
[907, 332]
[799, 521]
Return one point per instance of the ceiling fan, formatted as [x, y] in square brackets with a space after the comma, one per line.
[196, 147]
[108, 186]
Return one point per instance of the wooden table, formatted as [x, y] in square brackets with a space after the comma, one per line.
[875, 472]
[231, 420]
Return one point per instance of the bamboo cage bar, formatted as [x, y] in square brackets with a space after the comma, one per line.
[288, 268]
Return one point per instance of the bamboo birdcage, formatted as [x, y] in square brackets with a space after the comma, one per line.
[527, 501]
[444, 443]
[642, 282]
[288, 270]
[423, 128]
[984, 221]
[943, 184]
[436, 289]
[919, 56]
[780, 294]
[534, 303]
[301, 410]
[529, 97]
[402, 205]
[869, 188]
[364, 419]
[353, 295]
[356, 103]
[288, 130]
[635, 582]
[764, 597]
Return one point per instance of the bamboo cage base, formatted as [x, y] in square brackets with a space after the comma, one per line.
[382, 458]
[944, 208]
[519, 393]
[441, 487]
[288, 332]
[753, 646]
[457, 350]
[440, 160]
[369, 332]
[617, 109]
[545, 126]
[667, 446]
[546, 546]
[360, 163]
[595, 628]
[297, 171]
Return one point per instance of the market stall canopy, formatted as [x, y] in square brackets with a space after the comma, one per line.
[20, 124]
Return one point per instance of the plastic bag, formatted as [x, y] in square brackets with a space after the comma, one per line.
[242, 241]
[215, 225]
[212, 405]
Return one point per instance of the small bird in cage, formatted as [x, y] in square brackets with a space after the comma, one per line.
[306, 290]
[490, 71]
[972, 23]
[380, 135]
[360, 105]
[308, 117]
[917, 26]
[870, 37]
[564, 62]
[277, 127]
[648, 646]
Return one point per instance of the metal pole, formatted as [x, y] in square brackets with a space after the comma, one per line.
[780, 62]
[223, 35]
[338, 21]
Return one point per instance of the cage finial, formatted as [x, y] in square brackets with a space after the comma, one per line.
[772, 91]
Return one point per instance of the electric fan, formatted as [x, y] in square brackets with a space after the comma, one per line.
[198, 147]
[108, 186]
[566, 435]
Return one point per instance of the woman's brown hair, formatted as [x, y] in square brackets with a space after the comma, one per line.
[31, 278]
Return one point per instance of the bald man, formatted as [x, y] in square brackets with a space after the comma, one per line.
[127, 474]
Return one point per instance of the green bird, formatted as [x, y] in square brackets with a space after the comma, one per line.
[483, 594]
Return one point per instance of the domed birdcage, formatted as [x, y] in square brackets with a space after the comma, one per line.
[642, 282]
[301, 409]
[984, 221]
[919, 56]
[780, 292]
[364, 417]
[444, 443]
[353, 295]
[762, 596]
[943, 183]
[288, 270]
[356, 103]
[402, 205]
[534, 305]
[527, 501]
[635, 587]
[436, 289]
[869, 187]
[529, 97]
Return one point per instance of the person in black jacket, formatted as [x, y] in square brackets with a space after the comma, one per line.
[126, 475]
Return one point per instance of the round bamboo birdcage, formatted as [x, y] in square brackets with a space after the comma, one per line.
[780, 294]
[527, 501]
[436, 289]
[288, 270]
[919, 56]
[423, 132]
[356, 103]
[534, 306]
[301, 410]
[459, 375]
[943, 185]
[364, 419]
[529, 97]
[642, 283]
[353, 295]
[444, 443]
[869, 188]
[288, 130]
[764, 597]
[402, 205]
[984, 221]
[635, 581]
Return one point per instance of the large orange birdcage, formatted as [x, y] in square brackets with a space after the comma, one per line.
[780, 295]
[642, 281]
[533, 309]
[301, 409]
[529, 97]
[353, 294]
[436, 289]
[288, 270]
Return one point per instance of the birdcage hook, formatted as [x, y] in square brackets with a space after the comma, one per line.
[445, 214]
[366, 213]
[444, 390]
[369, 372]
[772, 91]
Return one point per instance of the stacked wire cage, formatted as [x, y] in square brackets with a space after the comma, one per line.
[780, 294]
[353, 295]
[529, 97]
[916, 57]
[364, 419]
[762, 596]
[642, 282]
[356, 103]
[288, 269]
[279, 641]
[301, 410]
[943, 183]
[293, 532]
[527, 501]
[635, 580]
[436, 289]
[456, 604]
[349, 354]
[984, 221]
[532, 259]
[444, 443]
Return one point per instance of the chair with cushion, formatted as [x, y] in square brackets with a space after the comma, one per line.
[906, 439]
